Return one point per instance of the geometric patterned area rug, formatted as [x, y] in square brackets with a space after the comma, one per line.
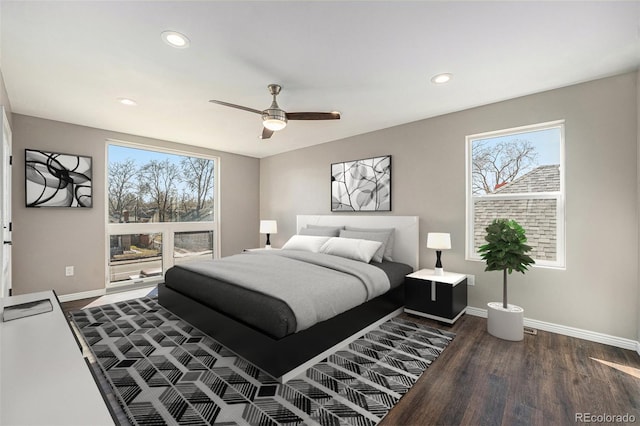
[162, 370]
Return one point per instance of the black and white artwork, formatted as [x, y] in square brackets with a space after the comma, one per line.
[57, 180]
[361, 185]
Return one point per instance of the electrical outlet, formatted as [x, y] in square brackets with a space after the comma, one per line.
[68, 271]
[471, 280]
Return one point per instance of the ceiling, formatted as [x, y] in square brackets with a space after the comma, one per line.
[372, 61]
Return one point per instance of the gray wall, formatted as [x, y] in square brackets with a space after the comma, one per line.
[598, 291]
[46, 240]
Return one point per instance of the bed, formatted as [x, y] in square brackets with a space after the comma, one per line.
[270, 331]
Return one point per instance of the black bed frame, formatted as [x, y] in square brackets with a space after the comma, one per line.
[277, 357]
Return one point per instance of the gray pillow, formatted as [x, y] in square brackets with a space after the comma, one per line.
[320, 232]
[388, 251]
[333, 230]
[381, 237]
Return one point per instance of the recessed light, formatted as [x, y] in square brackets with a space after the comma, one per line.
[441, 78]
[127, 101]
[175, 39]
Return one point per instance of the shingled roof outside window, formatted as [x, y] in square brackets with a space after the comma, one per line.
[537, 216]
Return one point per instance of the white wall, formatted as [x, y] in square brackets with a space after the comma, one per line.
[598, 291]
[4, 99]
[47, 240]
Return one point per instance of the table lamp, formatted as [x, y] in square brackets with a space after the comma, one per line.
[439, 241]
[268, 227]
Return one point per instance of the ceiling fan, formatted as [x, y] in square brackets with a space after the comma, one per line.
[274, 118]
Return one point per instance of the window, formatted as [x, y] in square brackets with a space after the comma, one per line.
[161, 211]
[189, 246]
[134, 256]
[518, 174]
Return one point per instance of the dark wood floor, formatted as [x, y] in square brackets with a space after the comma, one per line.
[547, 379]
[75, 305]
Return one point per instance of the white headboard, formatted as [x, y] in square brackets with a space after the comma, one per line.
[406, 246]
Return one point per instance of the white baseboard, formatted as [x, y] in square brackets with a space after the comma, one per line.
[82, 295]
[592, 336]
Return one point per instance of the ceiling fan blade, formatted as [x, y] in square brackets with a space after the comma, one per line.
[313, 115]
[266, 133]
[236, 106]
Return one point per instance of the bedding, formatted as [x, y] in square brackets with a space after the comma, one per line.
[280, 292]
[285, 357]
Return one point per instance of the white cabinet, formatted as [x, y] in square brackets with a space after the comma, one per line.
[44, 379]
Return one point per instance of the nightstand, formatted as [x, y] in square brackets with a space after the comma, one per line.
[439, 297]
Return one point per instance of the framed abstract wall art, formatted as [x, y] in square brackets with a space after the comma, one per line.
[361, 185]
[57, 180]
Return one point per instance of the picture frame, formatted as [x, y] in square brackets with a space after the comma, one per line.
[54, 179]
[361, 185]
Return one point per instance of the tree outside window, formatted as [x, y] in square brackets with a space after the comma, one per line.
[159, 188]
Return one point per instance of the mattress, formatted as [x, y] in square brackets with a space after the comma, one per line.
[268, 314]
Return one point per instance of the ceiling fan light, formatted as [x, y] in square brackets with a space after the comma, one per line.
[274, 118]
[274, 124]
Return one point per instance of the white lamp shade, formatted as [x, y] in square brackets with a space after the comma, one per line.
[268, 227]
[439, 240]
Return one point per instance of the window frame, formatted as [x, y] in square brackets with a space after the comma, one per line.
[167, 229]
[470, 198]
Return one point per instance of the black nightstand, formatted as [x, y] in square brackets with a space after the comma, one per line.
[439, 297]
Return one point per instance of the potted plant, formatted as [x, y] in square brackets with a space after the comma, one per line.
[506, 251]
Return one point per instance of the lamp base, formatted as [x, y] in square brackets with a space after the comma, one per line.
[268, 246]
[438, 268]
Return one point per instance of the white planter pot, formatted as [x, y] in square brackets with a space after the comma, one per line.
[507, 324]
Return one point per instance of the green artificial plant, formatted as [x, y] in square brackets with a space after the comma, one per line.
[506, 250]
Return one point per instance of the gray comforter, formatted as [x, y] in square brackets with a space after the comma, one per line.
[332, 284]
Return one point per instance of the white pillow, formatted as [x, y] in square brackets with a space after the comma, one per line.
[383, 237]
[351, 248]
[305, 243]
